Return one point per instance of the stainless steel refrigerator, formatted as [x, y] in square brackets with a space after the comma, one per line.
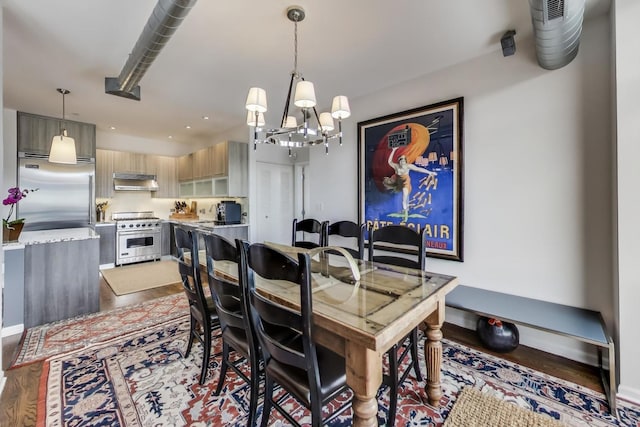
[65, 196]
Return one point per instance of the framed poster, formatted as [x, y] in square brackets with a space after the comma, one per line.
[410, 173]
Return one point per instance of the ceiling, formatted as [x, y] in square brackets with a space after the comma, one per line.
[222, 48]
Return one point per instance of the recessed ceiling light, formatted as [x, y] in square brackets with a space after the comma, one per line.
[187, 127]
[170, 136]
[205, 117]
[112, 127]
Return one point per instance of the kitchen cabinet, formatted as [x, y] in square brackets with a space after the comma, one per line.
[60, 280]
[225, 166]
[104, 173]
[107, 234]
[35, 133]
[185, 167]
[166, 238]
[167, 176]
[124, 161]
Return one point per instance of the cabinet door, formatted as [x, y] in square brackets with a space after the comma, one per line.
[238, 173]
[85, 136]
[104, 173]
[167, 176]
[129, 162]
[185, 167]
[165, 239]
[201, 166]
[107, 243]
[219, 159]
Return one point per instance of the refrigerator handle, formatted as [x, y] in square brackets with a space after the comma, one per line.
[91, 201]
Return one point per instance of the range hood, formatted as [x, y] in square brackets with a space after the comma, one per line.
[124, 181]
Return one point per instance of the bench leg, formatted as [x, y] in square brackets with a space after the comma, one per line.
[609, 384]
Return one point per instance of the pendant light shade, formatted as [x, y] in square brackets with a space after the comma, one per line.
[305, 96]
[326, 122]
[256, 100]
[63, 147]
[340, 107]
[251, 119]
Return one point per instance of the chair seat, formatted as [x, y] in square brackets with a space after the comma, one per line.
[331, 369]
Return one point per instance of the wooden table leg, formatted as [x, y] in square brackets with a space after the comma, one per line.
[364, 376]
[433, 355]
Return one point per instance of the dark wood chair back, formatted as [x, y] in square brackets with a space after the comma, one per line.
[294, 363]
[309, 226]
[348, 229]
[398, 235]
[225, 294]
[203, 317]
[189, 268]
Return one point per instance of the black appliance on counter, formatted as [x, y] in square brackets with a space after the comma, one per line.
[229, 212]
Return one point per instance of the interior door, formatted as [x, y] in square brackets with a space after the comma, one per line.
[274, 202]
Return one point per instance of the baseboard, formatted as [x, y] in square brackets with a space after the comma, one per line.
[103, 266]
[12, 330]
[629, 394]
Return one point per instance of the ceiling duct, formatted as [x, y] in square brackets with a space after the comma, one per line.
[163, 22]
[557, 26]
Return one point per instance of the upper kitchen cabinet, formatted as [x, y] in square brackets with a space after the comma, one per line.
[166, 172]
[35, 134]
[217, 171]
[185, 167]
[104, 173]
[124, 161]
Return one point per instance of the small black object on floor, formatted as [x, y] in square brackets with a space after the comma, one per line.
[497, 335]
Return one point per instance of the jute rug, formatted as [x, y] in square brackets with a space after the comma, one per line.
[139, 277]
[143, 379]
[474, 408]
[47, 340]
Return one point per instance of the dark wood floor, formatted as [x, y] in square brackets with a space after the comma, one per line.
[20, 394]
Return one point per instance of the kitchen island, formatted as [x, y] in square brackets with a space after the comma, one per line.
[228, 231]
[60, 272]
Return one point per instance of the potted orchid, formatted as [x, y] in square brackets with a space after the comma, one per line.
[11, 229]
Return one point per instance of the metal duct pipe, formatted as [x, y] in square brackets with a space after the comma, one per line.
[557, 26]
[163, 22]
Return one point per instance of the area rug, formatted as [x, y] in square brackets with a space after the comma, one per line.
[474, 408]
[143, 379]
[43, 341]
[140, 277]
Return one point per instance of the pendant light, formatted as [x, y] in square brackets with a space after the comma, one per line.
[63, 147]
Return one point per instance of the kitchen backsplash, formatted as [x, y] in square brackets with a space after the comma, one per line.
[134, 201]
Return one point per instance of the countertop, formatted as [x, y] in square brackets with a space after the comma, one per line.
[204, 223]
[53, 236]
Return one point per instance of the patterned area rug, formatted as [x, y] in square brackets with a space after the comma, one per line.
[44, 341]
[143, 379]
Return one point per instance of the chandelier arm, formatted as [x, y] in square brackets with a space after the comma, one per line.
[315, 113]
[285, 113]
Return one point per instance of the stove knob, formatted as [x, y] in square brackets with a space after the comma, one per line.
[130, 225]
[144, 225]
[137, 225]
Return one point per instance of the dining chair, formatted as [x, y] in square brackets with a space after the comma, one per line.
[309, 226]
[309, 372]
[347, 230]
[202, 312]
[409, 239]
[234, 324]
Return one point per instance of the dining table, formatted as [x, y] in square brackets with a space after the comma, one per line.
[361, 314]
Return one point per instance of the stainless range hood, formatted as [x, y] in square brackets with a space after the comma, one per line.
[123, 181]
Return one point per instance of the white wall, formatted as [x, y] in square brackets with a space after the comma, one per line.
[537, 166]
[626, 14]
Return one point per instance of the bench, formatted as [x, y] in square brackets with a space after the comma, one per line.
[581, 324]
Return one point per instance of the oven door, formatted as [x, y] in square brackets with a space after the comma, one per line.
[137, 246]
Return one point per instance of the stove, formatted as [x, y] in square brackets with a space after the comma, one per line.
[138, 237]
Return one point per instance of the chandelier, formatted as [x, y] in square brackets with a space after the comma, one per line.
[315, 129]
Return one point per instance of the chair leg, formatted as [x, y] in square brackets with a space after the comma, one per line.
[414, 353]
[223, 368]
[255, 390]
[268, 397]
[206, 353]
[393, 385]
[192, 325]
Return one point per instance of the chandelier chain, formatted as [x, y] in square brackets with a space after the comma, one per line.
[295, 47]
